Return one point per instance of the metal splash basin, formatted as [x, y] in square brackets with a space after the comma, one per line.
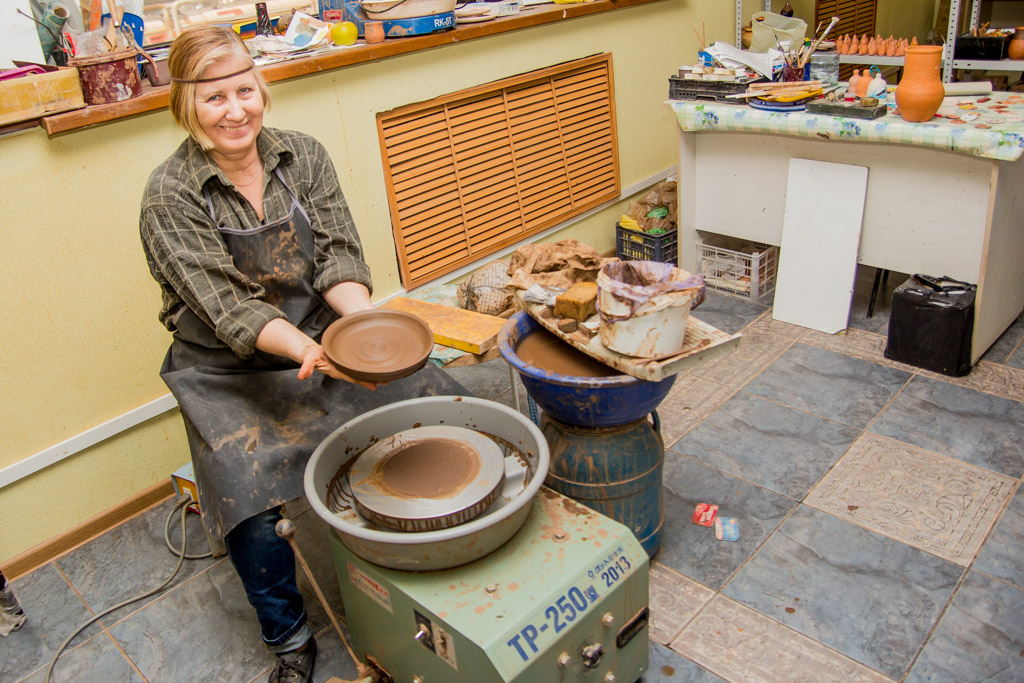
[526, 459]
[582, 401]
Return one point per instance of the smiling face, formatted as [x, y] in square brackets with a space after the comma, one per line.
[230, 110]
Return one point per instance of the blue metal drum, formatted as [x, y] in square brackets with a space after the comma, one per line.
[584, 401]
[604, 452]
[616, 471]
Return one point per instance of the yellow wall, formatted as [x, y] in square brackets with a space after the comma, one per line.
[81, 341]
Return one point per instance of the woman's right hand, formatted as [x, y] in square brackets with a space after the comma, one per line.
[315, 360]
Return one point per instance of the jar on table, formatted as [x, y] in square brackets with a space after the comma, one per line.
[825, 67]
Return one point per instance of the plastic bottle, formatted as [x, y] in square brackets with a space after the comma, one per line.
[877, 85]
[851, 88]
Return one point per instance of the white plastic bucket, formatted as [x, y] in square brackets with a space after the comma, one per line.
[656, 327]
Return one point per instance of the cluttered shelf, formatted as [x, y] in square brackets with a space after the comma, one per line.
[156, 98]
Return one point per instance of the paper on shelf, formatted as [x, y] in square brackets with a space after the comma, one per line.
[730, 57]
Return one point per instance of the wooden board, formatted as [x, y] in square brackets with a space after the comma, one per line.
[702, 343]
[820, 240]
[454, 327]
[36, 95]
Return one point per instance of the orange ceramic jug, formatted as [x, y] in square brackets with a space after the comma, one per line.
[1016, 49]
[920, 92]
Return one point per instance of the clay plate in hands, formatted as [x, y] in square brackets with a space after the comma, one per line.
[378, 346]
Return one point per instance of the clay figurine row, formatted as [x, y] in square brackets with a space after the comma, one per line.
[875, 46]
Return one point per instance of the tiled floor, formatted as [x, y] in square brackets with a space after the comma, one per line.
[880, 511]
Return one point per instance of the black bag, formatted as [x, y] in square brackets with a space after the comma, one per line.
[930, 324]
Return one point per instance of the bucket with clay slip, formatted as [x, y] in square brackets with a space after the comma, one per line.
[644, 306]
[109, 77]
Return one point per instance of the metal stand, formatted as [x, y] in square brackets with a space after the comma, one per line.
[881, 278]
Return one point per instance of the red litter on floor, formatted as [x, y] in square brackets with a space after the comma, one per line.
[704, 514]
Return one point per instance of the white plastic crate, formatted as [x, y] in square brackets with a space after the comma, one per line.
[737, 267]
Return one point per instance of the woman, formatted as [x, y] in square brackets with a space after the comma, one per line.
[246, 230]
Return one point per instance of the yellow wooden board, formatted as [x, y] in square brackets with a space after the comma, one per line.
[455, 327]
[36, 95]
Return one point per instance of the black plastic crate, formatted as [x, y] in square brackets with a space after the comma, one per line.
[690, 89]
[631, 245]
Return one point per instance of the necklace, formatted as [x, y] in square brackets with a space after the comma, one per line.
[250, 181]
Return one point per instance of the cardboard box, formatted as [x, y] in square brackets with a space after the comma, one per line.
[37, 95]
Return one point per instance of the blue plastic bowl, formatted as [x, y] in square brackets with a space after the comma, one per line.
[583, 401]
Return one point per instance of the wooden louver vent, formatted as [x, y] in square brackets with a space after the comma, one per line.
[471, 172]
[856, 17]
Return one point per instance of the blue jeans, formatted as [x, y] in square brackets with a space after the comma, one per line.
[266, 564]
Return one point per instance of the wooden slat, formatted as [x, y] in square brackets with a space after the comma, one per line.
[470, 174]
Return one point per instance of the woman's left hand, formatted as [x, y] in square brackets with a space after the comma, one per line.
[315, 360]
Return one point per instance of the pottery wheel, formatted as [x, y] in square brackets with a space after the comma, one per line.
[378, 346]
[427, 478]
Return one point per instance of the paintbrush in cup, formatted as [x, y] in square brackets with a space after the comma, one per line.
[814, 45]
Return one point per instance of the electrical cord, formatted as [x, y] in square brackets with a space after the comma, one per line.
[182, 504]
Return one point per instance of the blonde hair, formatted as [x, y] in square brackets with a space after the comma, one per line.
[192, 53]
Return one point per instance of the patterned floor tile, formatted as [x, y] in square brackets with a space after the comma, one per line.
[932, 502]
[54, 611]
[857, 343]
[869, 597]
[133, 559]
[741, 644]
[96, 661]
[674, 599]
[978, 428]
[767, 324]
[979, 638]
[693, 550]
[779, 448]
[666, 666]
[1002, 556]
[755, 352]
[690, 400]
[728, 313]
[197, 650]
[834, 386]
[999, 380]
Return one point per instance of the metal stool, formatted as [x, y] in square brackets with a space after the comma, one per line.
[881, 278]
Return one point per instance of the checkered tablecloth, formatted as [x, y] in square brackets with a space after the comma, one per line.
[995, 133]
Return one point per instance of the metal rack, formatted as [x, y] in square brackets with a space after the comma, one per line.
[739, 20]
[949, 65]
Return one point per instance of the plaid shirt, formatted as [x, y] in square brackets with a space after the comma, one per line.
[187, 255]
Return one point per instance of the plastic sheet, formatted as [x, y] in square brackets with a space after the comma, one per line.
[636, 283]
[931, 323]
[771, 30]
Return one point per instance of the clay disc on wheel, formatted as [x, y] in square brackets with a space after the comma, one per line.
[378, 346]
[427, 478]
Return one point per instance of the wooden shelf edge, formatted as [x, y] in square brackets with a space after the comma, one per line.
[155, 99]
